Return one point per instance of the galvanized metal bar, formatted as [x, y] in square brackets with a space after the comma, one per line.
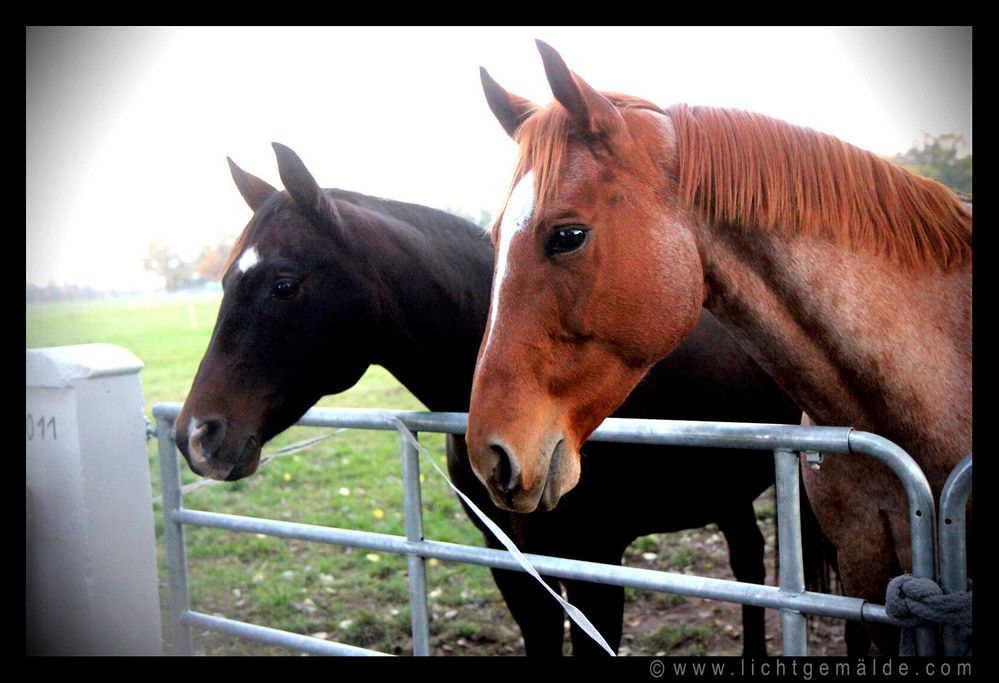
[167, 411]
[663, 432]
[701, 587]
[273, 636]
[954, 550]
[953, 510]
[875, 614]
[922, 517]
[173, 535]
[767, 437]
[413, 504]
[792, 572]
[364, 418]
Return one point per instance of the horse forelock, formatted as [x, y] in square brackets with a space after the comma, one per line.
[271, 206]
[749, 170]
[544, 140]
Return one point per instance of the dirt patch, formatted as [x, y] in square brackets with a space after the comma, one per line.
[657, 624]
[665, 624]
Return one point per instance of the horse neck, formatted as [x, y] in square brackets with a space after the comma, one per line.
[855, 339]
[433, 297]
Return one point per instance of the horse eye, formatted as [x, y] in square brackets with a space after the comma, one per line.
[565, 238]
[285, 288]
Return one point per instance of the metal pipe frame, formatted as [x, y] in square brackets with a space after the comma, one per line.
[792, 571]
[922, 519]
[413, 504]
[783, 440]
[954, 550]
[173, 534]
[273, 636]
[838, 606]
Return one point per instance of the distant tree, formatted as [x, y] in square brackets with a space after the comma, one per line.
[53, 292]
[937, 158]
[484, 218]
[212, 258]
[162, 258]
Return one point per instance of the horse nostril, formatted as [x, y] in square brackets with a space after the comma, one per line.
[506, 473]
[206, 438]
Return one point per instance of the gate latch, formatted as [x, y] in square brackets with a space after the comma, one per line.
[814, 459]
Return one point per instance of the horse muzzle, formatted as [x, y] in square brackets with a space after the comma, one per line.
[212, 451]
[520, 485]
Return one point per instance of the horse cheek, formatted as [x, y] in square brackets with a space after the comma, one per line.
[664, 292]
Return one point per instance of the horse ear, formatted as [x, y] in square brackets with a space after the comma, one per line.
[302, 187]
[509, 109]
[253, 189]
[591, 111]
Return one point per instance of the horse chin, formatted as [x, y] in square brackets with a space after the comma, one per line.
[525, 502]
[549, 497]
[247, 462]
[242, 465]
[563, 475]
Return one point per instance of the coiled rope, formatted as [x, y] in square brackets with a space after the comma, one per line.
[913, 602]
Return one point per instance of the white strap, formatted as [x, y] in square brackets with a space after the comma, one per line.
[574, 612]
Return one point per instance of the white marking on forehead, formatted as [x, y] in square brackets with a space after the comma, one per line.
[249, 259]
[519, 208]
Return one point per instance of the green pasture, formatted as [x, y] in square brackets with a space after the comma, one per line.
[351, 480]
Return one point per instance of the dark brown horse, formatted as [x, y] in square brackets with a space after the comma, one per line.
[322, 283]
[847, 278]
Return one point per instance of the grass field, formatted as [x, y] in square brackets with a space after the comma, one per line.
[352, 480]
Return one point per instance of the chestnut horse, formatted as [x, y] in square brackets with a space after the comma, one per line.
[322, 283]
[847, 278]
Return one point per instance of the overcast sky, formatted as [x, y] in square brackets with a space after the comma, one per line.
[127, 129]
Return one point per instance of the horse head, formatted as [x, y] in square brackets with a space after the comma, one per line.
[580, 305]
[294, 323]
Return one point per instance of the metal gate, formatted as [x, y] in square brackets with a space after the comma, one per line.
[789, 596]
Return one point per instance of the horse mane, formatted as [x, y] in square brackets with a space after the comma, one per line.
[270, 205]
[746, 169]
[234, 252]
[751, 170]
[414, 215]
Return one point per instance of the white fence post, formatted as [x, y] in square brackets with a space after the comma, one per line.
[91, 582]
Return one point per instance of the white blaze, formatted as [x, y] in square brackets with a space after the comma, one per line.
[519, 208]
[249, 259]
